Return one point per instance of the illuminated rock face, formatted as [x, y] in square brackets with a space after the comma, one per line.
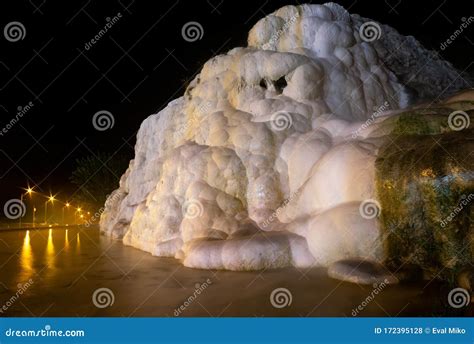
[266, 158]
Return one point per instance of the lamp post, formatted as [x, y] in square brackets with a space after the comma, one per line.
[34, 213]
[50, 199]
[29, 191]
[78, 210]
[67, 205]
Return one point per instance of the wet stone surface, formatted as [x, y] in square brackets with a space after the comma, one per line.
[66, 268]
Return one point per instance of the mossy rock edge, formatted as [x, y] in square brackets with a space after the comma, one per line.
[425, 185]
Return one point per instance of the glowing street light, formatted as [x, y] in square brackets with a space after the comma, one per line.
[28, 191]
[50, 199]
[78, 210]
[67, 205]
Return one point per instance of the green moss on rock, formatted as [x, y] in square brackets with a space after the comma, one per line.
[424, 176]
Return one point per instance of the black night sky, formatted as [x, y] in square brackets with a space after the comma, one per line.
[140, 65]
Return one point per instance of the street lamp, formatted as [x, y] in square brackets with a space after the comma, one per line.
[29, 191]
[50, 199]
[78, 210]
[67, 205]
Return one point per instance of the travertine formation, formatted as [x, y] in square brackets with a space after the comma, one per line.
[268, 159]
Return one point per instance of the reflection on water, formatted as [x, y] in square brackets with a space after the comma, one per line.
[26, 255]
[50, 246]
[45, 253]
[50, 255]
[38, 248]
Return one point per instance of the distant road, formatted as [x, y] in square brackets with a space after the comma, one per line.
[4, 229]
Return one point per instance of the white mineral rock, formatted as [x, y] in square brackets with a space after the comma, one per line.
[257, 165]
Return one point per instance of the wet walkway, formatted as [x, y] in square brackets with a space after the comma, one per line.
[55, 272]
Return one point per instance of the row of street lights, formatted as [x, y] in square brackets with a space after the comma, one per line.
[51, 198]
